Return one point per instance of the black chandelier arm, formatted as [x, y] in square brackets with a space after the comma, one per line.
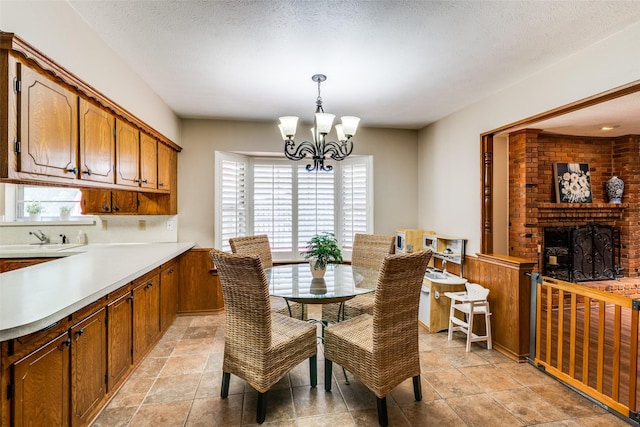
[300, 152]
[338, 150]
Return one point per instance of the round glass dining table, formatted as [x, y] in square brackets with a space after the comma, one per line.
[341, 282]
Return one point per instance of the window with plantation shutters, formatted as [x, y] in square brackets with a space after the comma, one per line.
[281, 199]
[231, 199]
[316, 204]
[354, 200]
[273, 203]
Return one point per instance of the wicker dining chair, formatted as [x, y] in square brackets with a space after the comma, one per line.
[381, 350]
[259, 245]
[369, 251]
[260, 346]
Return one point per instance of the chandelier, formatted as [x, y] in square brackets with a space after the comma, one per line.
[320, 148]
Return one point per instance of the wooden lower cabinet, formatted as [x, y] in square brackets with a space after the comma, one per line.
[200, 289]
[9, 264]
[146, 314]
[119, 339]
[63, 375]
[88, 367]
[169, 278]
[41, 385]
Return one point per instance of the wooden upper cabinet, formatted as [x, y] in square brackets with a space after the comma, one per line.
[48, 126]
[167, 164]
[148, 161]
[97, 143]
[127, 154]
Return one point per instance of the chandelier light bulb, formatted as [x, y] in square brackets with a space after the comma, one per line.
[288, 125]
[350, 124]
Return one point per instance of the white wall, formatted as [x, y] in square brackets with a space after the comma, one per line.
[394, 163]
[54, 28]
[449, 150]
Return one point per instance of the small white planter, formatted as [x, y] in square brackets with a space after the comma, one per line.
[317, 273]
[65, 216]
[35, 217]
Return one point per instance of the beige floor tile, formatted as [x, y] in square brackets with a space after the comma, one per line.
[403, 394]
[196, 332]
[309, 401]
[433, 361]
[489, 378]
[185, 365]
[115, 417]
[458, 357]
[480, 410]
[526, 374]
[568, 401]
[216, 412]
[431, 413]
[329, 420]
[451, 383]
[279, 407]
[168, 414]
[171, 389]
[201, 345]
[150, 367]
[528, 407]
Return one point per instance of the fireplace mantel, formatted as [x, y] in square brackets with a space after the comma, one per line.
[580, 211]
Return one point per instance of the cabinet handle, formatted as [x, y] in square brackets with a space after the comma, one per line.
[74, 170]
[130, 298]
[80, 332]
[160, 184]
[148, 285]
[87, 172]
[145, 181]
[105, 208]
[171, 271]
[116, 208]
[66, 342]
[137, 180]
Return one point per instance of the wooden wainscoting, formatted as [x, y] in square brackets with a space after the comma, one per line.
[509, 299]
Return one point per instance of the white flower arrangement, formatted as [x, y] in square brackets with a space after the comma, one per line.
[575, 185]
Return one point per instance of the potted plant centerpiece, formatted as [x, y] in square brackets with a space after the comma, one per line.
[321, 250]
[34, 210]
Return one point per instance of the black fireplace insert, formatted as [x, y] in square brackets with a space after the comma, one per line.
[581, 253]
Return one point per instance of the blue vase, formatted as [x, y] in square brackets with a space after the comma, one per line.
[615, 189]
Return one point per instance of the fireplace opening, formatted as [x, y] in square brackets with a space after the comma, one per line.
[582, 253]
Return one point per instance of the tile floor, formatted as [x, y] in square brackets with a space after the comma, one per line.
[178, 384]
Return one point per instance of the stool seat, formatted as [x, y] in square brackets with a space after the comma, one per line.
[470, 303]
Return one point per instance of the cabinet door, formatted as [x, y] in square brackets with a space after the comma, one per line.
[119, 339]
[124, 202]
[148, 161]
[168, 295]
[41, 381]
[127, 154]
[95, 201]
[200, 290]
[97, 143]
[167, 166]
[146, 315]
[88, 367]
[48, 126]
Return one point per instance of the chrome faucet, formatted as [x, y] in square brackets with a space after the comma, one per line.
[444, 265]
[42, 237]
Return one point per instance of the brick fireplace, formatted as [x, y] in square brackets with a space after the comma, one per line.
[532, 206]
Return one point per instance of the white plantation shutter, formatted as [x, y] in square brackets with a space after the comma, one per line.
[316, 204]
[233, 199]
[273, 204]
[281, 199]
[355, 214]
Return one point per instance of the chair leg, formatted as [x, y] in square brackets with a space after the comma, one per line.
[226, 378]
[417, 388]
[487, 321]
[452, 312]
[383, 419]
[470, 327]
[328, 367]
[262, 407]
[313, 370]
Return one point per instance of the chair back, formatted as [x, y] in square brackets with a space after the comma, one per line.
[369, 250]
[395, 311]
[258, 244]
[476, 292]
[246, 300]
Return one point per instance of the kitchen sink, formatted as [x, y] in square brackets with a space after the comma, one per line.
[435, 275]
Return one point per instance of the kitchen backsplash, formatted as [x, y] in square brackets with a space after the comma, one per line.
[105, 229]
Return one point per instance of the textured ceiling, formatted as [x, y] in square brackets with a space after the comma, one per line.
[401, 64]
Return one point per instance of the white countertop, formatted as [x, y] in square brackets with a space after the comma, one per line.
[35, 297]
